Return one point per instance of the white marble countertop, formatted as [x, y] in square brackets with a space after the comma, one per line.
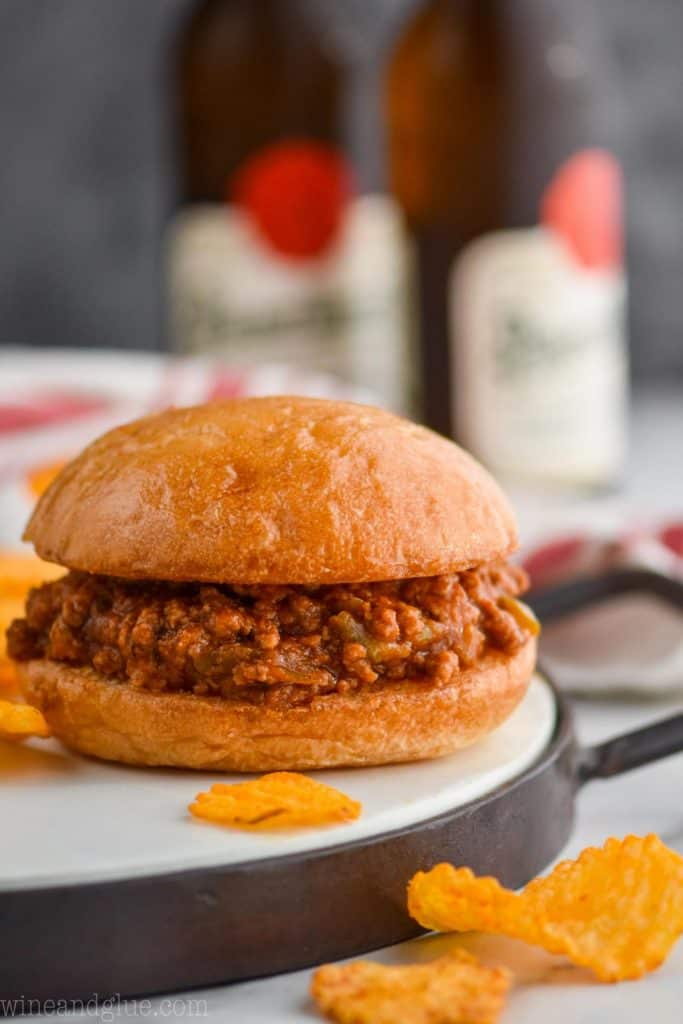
[643, 801]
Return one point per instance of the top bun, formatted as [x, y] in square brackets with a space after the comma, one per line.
[272, 490]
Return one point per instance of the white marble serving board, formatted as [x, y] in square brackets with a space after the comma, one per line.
[76, 820]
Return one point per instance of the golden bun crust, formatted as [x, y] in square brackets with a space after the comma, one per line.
[405, 721]
[272, 490]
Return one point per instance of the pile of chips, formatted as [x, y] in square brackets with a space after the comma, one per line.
[617, 910]
[18, 573]
[275, 801]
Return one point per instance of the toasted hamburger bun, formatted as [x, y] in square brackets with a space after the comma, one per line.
[274, 491]
[406, 721]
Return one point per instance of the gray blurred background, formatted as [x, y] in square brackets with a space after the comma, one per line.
[87, 178]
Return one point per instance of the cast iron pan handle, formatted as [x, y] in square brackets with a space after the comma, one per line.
[633, 749]
[623, 753]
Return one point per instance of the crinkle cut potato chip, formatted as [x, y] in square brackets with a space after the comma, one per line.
[8, 675]
[454, 989]
[277, 800]
[617, 910]
[10, 608]
[448, 899]
[40, 477]
[19, 721]
[20, 571]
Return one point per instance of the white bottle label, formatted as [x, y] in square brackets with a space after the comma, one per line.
[341, 313]
[539, 361]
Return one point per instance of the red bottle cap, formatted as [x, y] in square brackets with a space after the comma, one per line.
[583, 204]
[295, 194]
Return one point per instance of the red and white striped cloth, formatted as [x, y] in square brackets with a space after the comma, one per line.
[631, 643]
[55, 401]
[568, 556]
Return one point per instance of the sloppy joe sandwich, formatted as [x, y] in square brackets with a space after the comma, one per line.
[274, 583]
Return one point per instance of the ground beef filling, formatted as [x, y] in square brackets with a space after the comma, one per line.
[276, 645]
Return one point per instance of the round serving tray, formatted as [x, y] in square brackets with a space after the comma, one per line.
[107, 822]
[107, 886]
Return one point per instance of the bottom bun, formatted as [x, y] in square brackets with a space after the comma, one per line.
[404, 721]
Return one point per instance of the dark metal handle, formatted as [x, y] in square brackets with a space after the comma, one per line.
[633, 749]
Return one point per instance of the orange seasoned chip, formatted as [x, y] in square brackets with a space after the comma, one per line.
[455, 989]
[448, 899]
[9, 680]
[10, 608]
[19, 571]
[278, 800]
[617, 910]
[19, 721]
[40, 478]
